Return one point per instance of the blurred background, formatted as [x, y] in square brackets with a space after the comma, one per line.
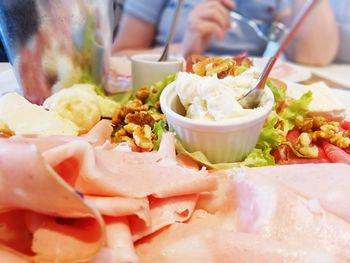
[117, 9]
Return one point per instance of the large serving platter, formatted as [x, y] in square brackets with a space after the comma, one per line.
[8, 82]
[289, 191]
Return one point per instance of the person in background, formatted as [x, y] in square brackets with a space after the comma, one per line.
[342, 13]
[205, 27]
[3, 56]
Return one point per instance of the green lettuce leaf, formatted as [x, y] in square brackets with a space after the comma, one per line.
[157, 89]
[120, 97]
[158, 129]
[295, 108]
[259, 157]
[270, 136]
[278, 92]
[203, 160]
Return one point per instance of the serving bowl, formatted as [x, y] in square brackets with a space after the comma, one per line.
[221, 141]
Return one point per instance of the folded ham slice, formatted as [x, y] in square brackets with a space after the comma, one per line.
[12, 256]
[205, 240]
[121, 206]
[130, 174]
[41, 216]
[52, 210]
[119, 246]
[98, 135]
[257, 217]
[84, 200]
[163, 212]
[271, 210]
[327, 183]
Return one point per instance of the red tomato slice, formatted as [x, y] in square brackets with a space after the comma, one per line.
[346, 125]
[305, 160]
[347, 150]
[240, 57]
[335, 154]
[293, 136]
[284, 155]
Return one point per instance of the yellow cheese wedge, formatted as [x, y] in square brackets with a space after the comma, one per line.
[23, 117]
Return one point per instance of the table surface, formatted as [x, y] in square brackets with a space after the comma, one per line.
[335, 75]
[5, 66]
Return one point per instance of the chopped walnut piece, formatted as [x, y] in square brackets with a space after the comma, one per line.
[134, 105]
[131, 127]
[156, 115]
[140, 118]
[304, 124]
[340, 140]
[143, 93]
[305, 147]
[121, 135]
[318, 122]
[143, 137]
[130, 107]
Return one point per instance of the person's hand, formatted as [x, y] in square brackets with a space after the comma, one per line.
[209, 19]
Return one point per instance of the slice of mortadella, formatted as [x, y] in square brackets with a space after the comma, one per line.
[271, 210]
[327, 183]
[97, 136]
[43, 218]
[128, 174]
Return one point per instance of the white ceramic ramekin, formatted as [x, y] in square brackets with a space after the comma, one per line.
[221, 141]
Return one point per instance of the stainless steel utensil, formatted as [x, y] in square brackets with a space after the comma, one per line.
[254, 24]
[164, 56]
[252, 98]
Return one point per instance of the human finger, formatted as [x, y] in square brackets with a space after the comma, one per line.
[214, 12]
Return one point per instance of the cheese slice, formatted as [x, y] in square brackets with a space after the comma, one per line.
[23, 117]
[324, 101]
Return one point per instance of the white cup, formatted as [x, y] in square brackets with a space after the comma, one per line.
[147, 70]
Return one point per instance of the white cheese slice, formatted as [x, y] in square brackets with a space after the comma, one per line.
[23, 117]
[324, 101]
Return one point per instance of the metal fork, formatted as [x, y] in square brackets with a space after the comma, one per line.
[252, 98]
[254, 24]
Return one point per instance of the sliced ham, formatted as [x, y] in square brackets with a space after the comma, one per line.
[119, 246]
[112, 173]
[149, 191]
[158, 207]
[121, 206]
[100, 133]
[33, 175]
[163, 212]
[12, 256]
[14, 232]
[327, 183]
[206, 240]
[67, 239]
[97, 136]
[270, 210]
[64, 227]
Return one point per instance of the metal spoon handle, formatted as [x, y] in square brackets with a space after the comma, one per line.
[171, 35]
[265, 73]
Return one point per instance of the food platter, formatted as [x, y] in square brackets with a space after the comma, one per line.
[8, 82]
[161, 205]
[284, 70]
